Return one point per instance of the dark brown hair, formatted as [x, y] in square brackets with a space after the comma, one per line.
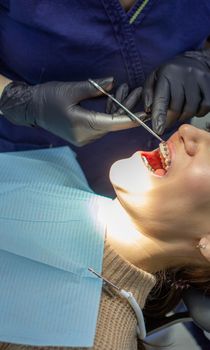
[165, 295]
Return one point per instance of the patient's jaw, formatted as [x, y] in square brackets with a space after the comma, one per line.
[173, 206]
[167, 215]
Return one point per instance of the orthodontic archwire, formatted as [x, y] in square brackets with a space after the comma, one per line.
[141, 329]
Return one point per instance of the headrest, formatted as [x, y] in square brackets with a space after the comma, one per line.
[198, 305]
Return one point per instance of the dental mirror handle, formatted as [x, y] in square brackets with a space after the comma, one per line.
[130, 114]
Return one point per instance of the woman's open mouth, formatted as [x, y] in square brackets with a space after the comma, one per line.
[159, 160]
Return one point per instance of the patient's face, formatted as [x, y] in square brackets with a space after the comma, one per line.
[175, 198]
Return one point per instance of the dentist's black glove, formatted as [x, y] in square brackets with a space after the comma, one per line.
[55, 107]
[179, 89]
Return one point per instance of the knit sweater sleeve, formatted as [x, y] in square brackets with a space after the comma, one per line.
[116, 326]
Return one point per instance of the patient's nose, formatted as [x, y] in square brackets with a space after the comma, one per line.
[191, 137]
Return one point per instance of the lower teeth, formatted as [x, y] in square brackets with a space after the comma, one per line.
[147, 164]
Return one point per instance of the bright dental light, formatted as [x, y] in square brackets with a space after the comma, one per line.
[118, 222]
[132, 178]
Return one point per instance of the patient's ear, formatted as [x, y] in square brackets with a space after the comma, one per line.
[204, 246]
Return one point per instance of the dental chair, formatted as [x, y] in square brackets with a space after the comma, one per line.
[197, 311]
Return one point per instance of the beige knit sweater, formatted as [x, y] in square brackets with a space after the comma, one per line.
[116, 326]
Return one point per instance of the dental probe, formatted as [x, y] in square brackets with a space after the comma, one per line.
[141, 329]
[130, 114]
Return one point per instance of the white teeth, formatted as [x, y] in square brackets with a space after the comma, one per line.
[165, 155]
[147, 164]
[164, 148]
[145, 160]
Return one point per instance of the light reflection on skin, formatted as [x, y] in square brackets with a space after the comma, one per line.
[162, 203]
[166, 215]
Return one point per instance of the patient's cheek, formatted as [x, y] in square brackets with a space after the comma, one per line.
[198, 182]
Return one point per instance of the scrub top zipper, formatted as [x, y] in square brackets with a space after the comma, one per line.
[138, 11]
[125, 25]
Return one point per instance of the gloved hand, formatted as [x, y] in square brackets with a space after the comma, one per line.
[179, 90]
[55, 107]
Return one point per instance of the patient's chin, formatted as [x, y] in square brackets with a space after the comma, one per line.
[131, 175]
[119, 174]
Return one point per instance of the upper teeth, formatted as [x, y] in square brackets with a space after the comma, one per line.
[165, 155]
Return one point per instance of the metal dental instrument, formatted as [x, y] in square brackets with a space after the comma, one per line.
[104, 279]
[141, 329]
[130, 114]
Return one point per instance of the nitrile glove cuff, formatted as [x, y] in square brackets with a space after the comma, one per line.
[14, 103]
[201, 55]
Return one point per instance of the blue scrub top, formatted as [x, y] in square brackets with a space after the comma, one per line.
[74, 40]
